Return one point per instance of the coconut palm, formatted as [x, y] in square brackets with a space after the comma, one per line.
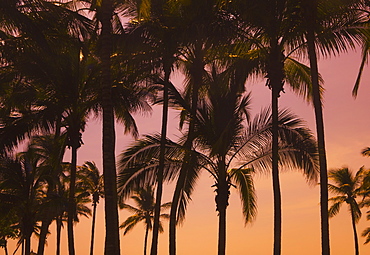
[365, 8]
[347, 186]
[226, 140]
[21, 195]
[50, 149]
[92, 182]
[334, 36]
[143, 212]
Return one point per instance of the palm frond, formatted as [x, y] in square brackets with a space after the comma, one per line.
[243, 180]
[334, 209]
[298, 76]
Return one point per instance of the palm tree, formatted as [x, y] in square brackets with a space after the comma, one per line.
[144, 211]
[220, 132]
[21, 195]
[365, 8]
[8, 220]
[50, 149]
[347, 186]
[93, 184]
[327, 37]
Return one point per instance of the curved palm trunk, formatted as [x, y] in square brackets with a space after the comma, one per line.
[157, 209]
[174, 207]
[93, 228]
[198, 69]
[6, 248]
[112, 243]
[324, 196]
[276, 77]
[146, 239]
[355, 237]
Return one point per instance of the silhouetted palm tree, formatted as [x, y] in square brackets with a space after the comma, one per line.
[143, 211]
[224, 138]
[347, 186]
[21, 195]
[92, 182]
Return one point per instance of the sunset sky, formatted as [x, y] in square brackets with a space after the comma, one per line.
[347, 126]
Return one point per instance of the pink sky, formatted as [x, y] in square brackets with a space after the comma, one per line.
[347, 126]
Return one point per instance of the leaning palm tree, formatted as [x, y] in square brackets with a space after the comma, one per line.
[347, 186]
[144, 211]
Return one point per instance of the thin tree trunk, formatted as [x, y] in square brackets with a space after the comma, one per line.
[93, 229]
[27, 246]
[197, 73]
[71, 198]
[146, 239]
[222, 231]
[6, 248]
[112, 242]
[311, 10]
[59, 230]
[276, 79]
[355, 237]
[222, 200]
[43, 235]
[157, 209]
[275, 172]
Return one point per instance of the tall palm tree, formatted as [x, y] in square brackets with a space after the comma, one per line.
[327, 37]
[92, 182]
[220, 132]
[347, 186]
[144, 211]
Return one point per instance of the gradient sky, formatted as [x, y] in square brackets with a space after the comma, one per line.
[347, 127]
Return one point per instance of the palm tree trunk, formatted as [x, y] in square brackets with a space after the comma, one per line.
[6, 248]
[112, 243]
[174, 209]
[221, 207]
[355, 237]
[27, 246]
[222, 199]
[146, 239]
[275, 172]
[43, 234]
[157, 210]
[71, 198]
[93, 229]
[59, 230]
[324, 196]
[197, 74]
[276, 77]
